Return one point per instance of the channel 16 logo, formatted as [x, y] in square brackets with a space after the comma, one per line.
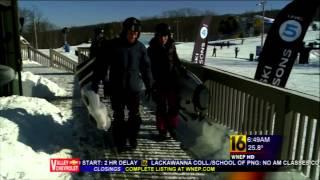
[238, 143]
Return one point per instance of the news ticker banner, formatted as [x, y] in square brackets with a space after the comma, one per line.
[207, 166]
[247, 153]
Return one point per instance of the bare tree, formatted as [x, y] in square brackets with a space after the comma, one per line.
[36, 27]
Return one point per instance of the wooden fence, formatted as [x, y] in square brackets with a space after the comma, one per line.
[55, 59]
[251, 107]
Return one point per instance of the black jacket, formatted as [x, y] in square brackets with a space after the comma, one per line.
[127, 66]
[165, 63]
[95, 46]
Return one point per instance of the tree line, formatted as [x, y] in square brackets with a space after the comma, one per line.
[184, 24]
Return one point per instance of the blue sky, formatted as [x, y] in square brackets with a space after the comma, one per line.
[80, 12]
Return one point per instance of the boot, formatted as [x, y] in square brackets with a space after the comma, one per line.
[133, 128]
[173, 133]
[119, 138]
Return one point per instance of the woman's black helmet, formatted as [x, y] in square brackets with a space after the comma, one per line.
[162, 29]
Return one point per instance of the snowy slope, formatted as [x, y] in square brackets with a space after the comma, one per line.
[303, 78]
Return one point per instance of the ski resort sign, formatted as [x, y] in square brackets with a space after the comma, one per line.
[284, 41]
[200, 45]
[204, 31]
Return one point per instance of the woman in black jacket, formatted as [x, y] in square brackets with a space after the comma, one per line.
[164, 64]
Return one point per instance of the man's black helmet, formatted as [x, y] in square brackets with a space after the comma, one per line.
[132, 24]
[162, 29]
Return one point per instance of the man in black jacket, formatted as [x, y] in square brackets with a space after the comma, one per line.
[127, 65]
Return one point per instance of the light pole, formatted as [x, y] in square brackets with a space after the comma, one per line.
[35, 33]
[262, 3]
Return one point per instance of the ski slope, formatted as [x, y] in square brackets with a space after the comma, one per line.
[304, 78]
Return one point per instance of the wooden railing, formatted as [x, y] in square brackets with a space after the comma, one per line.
[55, 59]
[25, 52]
[83, 54]
[60, 61]
[29, 52]
[250, 107]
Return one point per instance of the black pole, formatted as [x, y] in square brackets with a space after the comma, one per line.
[17, 44]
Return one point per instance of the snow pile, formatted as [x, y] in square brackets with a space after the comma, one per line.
[31, 132]
[29, 62]
[37, 86]
[203, 140]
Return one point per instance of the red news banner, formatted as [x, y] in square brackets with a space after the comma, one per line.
[65, 165]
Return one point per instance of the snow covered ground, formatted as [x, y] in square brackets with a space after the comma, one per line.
[33, 130]
[38, 86]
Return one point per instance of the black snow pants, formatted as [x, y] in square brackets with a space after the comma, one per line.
[121, 129]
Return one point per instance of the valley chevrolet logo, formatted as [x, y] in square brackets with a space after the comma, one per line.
[203, 32]
[64, 164]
